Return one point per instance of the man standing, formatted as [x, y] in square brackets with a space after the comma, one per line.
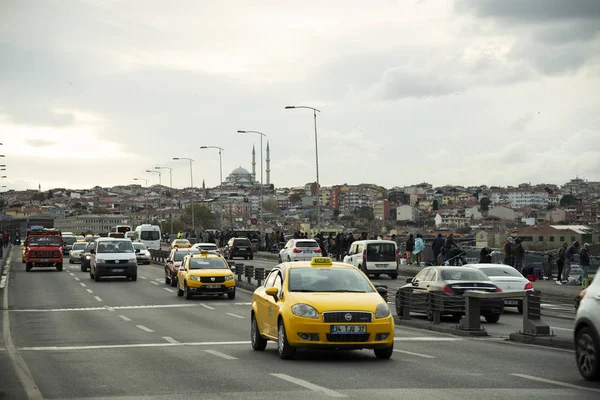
[449, 243]
[437, 246]
[584, 260]
[508, 251]
[570, 254]
[560, 262]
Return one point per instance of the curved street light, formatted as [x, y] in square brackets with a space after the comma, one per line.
[171, 185]
[220, 179]
[192, 185]
[260, 206]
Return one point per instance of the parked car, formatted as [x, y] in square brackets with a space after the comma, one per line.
[451, 283]
[374, 257]
[142, 253]
[299, 250]
[173, 263]
[508, 279]
[238, 247]
[587, 333]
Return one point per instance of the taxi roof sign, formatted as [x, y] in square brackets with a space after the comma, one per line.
[321, 261]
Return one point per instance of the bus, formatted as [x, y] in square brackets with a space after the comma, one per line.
[121, 229]
[149, 235]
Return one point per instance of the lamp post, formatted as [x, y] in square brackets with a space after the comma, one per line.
[316, 160]
[171, 185]
[260, 206]
[159, 175]
[192, 185]
[220, 180]
[147, 211]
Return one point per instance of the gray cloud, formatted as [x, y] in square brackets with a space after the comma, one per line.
[41, 143]
[521, 123]
[397, 83]
[532, 10]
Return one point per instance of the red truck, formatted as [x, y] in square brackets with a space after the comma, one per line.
[43, 248]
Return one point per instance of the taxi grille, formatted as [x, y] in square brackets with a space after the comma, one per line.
[344, 338]
[214, 279]
[341, 316]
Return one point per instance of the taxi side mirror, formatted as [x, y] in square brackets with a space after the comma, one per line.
[272, 291]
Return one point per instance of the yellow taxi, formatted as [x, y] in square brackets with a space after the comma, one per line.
[180, 244]
[205, 274]
[323, 305]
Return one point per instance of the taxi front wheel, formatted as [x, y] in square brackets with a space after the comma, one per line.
[259, 343]
[286, 352]
[385, 353]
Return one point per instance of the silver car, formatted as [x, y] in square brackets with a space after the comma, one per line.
[142, 254]
[76, 251]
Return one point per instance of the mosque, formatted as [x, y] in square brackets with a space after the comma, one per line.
[241, 177]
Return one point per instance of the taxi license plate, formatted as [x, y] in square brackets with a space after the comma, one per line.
[44, 260]
[117, 270]
[348, 329]
[212, 286]
[241, 248]
[511, 302]
[381, 265]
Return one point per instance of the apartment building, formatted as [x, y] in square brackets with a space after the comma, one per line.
[91, 223]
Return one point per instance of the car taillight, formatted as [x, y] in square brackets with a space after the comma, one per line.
[317, 250]
[447, 290]
[529, 286]
[297, 250]
[499, 290]
[218, 251]
[364, 256]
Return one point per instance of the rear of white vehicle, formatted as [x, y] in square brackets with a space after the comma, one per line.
[211, 248]
[303, 250]
[508, 279]
[374, 257]
[149, 235]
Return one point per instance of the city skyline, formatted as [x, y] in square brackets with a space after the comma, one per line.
[460, 93]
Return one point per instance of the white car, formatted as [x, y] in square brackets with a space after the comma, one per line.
[75, 253]
[508, 279]
[210, 247]
[299, 250]
[587, 333]
[374, 257]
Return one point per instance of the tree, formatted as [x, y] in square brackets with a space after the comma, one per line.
[435, 205]
[464, 230]
[270, 205]
[365, 212]
[295, 198]
[484, 203]
[569, 200]
[203, 217]
[178, 226]
[347, 218]
[38, 196]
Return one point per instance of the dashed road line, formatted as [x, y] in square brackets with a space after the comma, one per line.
[169, 290]
[72, 274]
[243, 304]
[206, 306]
[125, 318]
[89, 291]
[143, 277]
[98, 298]
[76, 278]
[82, 284]
[410, 353]
[308, 385]
[427, 339]
[222, 355]
[553, 382]
[170, 339]
[142, 327]
[125, 346]
[154, 283]
[235, 315]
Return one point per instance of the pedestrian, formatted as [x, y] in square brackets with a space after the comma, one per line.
[584, 260]
[419, 249]
[437, 246]
[518, 254]
[338, 246]
[410, 247]
[560, 262]
[508, 251]
[449, 243]
[485, 256]
[570, 254]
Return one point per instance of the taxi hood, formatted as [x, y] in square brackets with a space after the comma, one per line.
[210, 272]
[338, 301]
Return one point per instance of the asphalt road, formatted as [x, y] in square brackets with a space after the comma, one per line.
[71, 337]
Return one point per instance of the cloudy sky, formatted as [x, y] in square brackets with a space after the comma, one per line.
[450, 92]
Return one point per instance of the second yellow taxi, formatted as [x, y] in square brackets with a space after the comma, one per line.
[180, 244]
[320, 304]
[204, 274]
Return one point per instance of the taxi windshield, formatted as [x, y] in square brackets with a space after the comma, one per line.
[208, 263]
[44, 241]
[182, 241]
[328, 280]
[179, 255]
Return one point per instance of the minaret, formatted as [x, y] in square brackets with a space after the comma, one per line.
[253, 164]
[268, 171]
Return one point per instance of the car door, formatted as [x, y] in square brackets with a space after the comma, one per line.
[419, 284]
[348, 257]
[263, 303]
[182, 272]
[93, 258]
[273, 305]
[286, 249]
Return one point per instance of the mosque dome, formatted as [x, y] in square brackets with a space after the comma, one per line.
[240, 171]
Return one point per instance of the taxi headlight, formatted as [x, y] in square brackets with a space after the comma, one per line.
[304, 310]
[195, 278]
[229, 277]
[382, 311]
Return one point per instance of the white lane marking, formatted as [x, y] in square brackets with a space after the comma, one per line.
[3, 281]
[235, 315]
[169, 290]
[76, 278]
[125, 318]
[159, 280]
[170, 339]
[414, 354]
[105, 308]
[205, 306]
[143, 277]
[89, 290]
[553, 382]
[243, 304]
[82, 284]
[125, 346]
[72, 274]
[427, 339]
[154, 283]
[222, 355]
[97, 298]
[561, 329]
[142, 327]
[308, 385]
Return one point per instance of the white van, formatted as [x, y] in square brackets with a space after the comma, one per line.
[130, 235]
[374, 257]
[149, 235]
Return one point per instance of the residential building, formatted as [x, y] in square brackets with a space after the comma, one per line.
[407, 213]
[91, 223]
[381, 210]
[502, 212]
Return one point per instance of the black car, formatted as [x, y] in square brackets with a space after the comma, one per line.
[85, 257]
[451, 283]
[68, 242]
[238, 247]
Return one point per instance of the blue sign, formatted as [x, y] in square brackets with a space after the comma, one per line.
[253, 221]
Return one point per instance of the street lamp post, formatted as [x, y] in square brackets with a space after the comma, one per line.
[316, 160]
[147, 211]
[159, 175]
[192, 185]
[260, 206]
[171, 185]
[220, 181]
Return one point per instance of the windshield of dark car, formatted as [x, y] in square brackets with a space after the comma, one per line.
[241, 242]
[44, 241]
[208, 263]
[121, 246]
[463, 275]
[328, 280]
